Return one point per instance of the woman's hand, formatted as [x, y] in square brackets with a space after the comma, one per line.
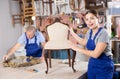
[72, 31]
[73, 46]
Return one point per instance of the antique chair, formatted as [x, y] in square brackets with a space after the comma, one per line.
[58, 40]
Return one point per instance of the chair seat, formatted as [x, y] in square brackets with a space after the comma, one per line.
[57, 45]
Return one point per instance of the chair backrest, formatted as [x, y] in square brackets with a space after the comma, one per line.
[28, 8]
[58, 31]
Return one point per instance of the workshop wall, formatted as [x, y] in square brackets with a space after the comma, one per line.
[8, 33]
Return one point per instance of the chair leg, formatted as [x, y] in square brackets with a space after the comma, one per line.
[73, 60]
[69, 59]
[49, 55]
[45, 57]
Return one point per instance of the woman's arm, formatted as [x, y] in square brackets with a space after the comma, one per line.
[81, 41]
[100, 47]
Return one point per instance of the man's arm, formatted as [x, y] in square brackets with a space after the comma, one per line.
[42, 41]
[43, 44]
[41, 38]
[11, 51]
[20, 41]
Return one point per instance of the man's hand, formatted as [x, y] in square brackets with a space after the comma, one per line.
[42, 58]
[5, 57]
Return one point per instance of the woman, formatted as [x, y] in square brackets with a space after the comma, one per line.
[97, 44]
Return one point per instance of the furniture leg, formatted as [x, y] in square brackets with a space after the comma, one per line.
[69, 59]
[49, 55]
[73, 60]
[45, 57]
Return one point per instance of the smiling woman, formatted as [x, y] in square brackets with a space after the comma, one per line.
[97, 45]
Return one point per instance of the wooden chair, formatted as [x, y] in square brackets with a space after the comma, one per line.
[17, 18]
[96, 4]
[58, 40]
[47, 2]
[60, 3]
[28, 10]
[75, 4]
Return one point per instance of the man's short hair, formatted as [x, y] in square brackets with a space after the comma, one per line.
[31, 28]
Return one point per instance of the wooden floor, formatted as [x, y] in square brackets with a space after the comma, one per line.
[58, 71]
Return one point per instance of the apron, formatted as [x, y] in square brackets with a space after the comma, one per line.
[101, 67]
[33, 49]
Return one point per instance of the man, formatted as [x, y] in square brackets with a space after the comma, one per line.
[33, 40]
